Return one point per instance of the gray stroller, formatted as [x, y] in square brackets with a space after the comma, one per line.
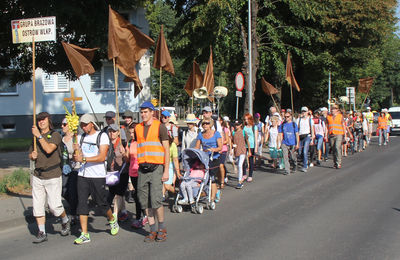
[189, 156]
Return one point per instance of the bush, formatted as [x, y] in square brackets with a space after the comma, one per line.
[17, 181]
[15, 144]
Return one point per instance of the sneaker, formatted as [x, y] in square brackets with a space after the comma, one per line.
[311, 165]
[66, 228]
[286, 173]
[114, 225]
[217, 196]
[239, 186]
[226, 180]
[41, 237]
[250, 179]
[145, 220]
[318, 163]
[84, 238]
[182, 202]
[137, 223]
[130, 197]
[304, 169]
[123, 216]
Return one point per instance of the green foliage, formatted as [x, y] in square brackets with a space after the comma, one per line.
[15, 144]
[19, 178]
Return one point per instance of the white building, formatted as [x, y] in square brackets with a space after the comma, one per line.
[16, 103]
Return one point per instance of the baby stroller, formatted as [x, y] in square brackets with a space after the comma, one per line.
[189, 156]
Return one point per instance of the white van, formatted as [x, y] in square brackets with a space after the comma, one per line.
[395, 113]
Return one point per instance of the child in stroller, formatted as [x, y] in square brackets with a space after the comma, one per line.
[191, 181]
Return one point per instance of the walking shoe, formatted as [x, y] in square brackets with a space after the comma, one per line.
[123, 216]
[130, 197]
[311, 165]
[137, 223]
[151, 237]
[114, 226]
[84, 238]
[304, 169]
[286, 173]
[318, 163]
[250, 179]
[66, 228]
[161, 235]
[41, 237]
[239, 186]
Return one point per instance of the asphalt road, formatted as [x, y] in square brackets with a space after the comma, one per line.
[352, 213]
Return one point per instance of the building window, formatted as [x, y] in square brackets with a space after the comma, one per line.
[5, 86]
[9, 127]
[55, 83]
[104, 79]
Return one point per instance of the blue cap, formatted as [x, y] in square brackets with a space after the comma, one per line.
[147, 104]
[166, 113]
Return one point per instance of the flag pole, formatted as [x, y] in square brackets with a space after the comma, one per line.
[192, 103]
[276, 105]
[90, 104]
[34, 90]
[116, 91]
[159, 99]
[291, 97]
[364, 98]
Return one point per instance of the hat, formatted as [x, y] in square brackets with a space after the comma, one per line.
[166, 113]
[42, 115]
[226, 118]
[238, 122]
[289, 110]
[257, 115]
[323, 109]
[304, 109]
[276, 114]
[128, 113]
[191, 118]
[283, 110]
[147, 104]
[110, 114]
[207, 109]
[89, 118]
[172, 119]
[368, 108]
[65, 121]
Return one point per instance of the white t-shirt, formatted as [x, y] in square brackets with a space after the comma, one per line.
[90, 149]
[304, 124]
[273, 137]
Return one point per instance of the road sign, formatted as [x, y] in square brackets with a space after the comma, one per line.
[239, 93]
[41, 29]
[350, 92]
[239, 81]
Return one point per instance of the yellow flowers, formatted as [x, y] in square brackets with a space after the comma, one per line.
[72, 120]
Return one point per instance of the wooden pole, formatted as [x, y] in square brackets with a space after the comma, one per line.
[116, 91]
[192, 103]
[159, 99]
[291, 98]
[276, 105]
[34, 89]
[364, 98]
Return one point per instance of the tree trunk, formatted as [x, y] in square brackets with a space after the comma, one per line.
[254, 50]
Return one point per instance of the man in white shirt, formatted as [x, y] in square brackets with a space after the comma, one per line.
[207, 114]
[306, 135]
[272, 112]
[92, 152]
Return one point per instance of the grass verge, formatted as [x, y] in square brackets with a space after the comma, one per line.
[16, 182]
[15, 144]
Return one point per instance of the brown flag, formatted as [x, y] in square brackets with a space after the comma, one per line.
[290, 75]
[162, 59]
[365, 84]
[127, 44]
[79, 58]
[195, 79]
[268, 88]
[208, 80]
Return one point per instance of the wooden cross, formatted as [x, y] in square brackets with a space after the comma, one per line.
[73, 99]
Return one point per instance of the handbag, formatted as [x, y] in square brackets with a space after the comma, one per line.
[112, 178]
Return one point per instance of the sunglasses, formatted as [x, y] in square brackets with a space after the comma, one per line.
[108, 118]
[205, 123]
[64, 124]
[287, 116]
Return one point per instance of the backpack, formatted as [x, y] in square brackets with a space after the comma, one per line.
[110, 153]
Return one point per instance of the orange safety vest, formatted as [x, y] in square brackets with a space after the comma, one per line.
[335, 126]
[382, 122]
[149, 149]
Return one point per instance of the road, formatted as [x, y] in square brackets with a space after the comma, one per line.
[352, 213]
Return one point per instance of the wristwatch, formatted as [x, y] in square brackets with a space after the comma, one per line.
[84, 159]
[40, 137]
